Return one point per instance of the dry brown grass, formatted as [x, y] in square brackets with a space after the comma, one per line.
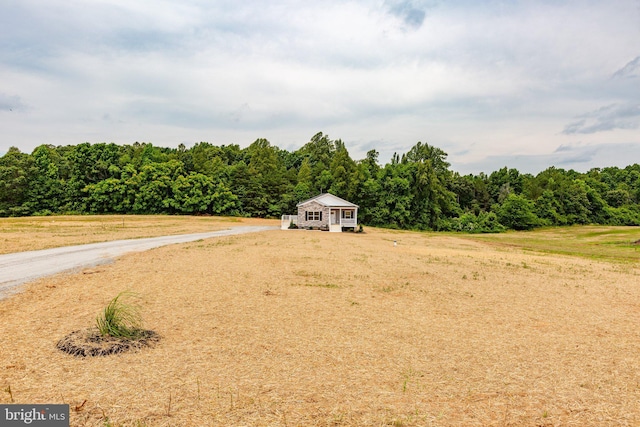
[34, 233]
[300, 328]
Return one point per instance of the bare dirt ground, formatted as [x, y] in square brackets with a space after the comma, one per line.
[302, 328]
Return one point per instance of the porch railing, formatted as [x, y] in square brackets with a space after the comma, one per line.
[287, 220]
[348, 222]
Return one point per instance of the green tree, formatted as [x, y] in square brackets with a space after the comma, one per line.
[16, 174]
[269, 182]
[197, 193]
[482, 196]
[464, 189]
[89, 164]
[305, 176]
[319, 151]
[618, 197]
[342, 168]
[107, 196]
[153, 186]
[547, 207]
[366, 186]
[46, 192]
[575, 202]
[393, 205]
[431, 201]
[210, 160]
[503, 182]
[517, 212]
[302, 189]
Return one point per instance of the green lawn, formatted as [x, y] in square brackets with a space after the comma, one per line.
[600, 242]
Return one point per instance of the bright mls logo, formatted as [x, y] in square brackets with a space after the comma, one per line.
[34, 415]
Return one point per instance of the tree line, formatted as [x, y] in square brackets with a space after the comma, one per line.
[415, 190]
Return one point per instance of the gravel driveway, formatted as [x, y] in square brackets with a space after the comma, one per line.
[22, 267]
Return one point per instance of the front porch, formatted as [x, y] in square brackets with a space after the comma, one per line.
[343, 218]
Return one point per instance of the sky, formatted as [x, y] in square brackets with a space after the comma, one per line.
[522, 84]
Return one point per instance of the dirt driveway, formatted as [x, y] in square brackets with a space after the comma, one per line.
[22, 267]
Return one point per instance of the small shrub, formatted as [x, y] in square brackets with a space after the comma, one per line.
[484, 222]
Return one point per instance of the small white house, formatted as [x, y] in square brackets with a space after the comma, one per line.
[324, 212]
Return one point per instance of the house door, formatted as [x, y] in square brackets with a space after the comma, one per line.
[333, 217]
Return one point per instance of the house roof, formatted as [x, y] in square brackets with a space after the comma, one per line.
[328, 199]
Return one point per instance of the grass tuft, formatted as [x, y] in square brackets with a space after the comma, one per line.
[120, 318]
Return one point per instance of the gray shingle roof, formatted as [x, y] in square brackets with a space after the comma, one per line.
[328, 199]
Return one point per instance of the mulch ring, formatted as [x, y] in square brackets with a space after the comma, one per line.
[89, 343]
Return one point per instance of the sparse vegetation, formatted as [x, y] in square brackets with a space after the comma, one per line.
[322, 285]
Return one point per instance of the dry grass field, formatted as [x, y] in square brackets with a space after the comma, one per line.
[33, 233]
[309, 328]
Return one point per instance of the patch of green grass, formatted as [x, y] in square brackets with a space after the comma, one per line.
[120, 318]
[606, 243]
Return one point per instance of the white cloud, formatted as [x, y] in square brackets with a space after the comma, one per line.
[476, 79]
[580, 157]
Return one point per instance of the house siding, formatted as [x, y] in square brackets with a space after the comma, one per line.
[313, 207]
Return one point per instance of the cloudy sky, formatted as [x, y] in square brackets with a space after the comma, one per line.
[525, 84]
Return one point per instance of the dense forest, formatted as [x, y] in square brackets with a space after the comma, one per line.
[416, 190]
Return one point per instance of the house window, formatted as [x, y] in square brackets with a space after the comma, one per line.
[347, 214]
[314, 216]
